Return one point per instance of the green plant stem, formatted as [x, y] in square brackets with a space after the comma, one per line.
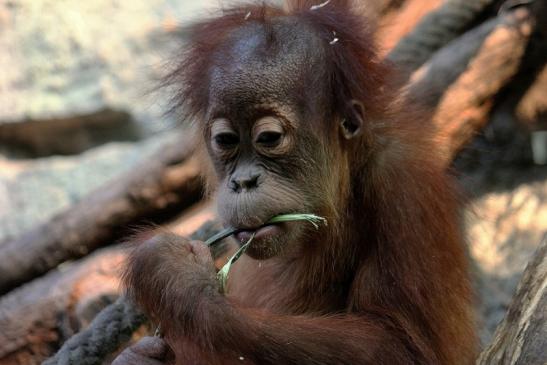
[311, 218]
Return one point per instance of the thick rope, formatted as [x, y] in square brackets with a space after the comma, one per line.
[435, 30]
[108, 331]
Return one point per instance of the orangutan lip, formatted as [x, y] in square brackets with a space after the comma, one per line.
[244, 234]
[260, 233]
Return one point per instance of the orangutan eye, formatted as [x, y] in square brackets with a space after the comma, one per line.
[223, 135]
[226, 140]
[269, 138]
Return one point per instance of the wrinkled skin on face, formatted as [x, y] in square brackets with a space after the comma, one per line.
[261, 139]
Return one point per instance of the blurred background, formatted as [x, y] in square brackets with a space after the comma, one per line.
[88, 152]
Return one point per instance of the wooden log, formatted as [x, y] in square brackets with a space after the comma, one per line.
[461, 80]
[465, 106]
[166, 182]
[68, 135]
[521, 339]
[37, 317]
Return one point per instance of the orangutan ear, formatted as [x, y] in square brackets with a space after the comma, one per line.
[352, 125]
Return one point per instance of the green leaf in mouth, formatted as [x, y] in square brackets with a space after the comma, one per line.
[312, 218]
[315, 220]
[222, 275]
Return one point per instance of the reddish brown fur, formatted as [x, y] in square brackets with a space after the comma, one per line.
[386, 283]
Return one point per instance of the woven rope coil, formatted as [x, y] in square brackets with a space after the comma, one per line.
[435, 30]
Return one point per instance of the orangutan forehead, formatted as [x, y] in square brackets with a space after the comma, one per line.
[267, 63]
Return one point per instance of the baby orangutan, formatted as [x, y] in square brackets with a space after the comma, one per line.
[296, 116]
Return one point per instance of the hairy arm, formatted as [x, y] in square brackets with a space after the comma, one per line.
[265, 338]
[173, 280]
